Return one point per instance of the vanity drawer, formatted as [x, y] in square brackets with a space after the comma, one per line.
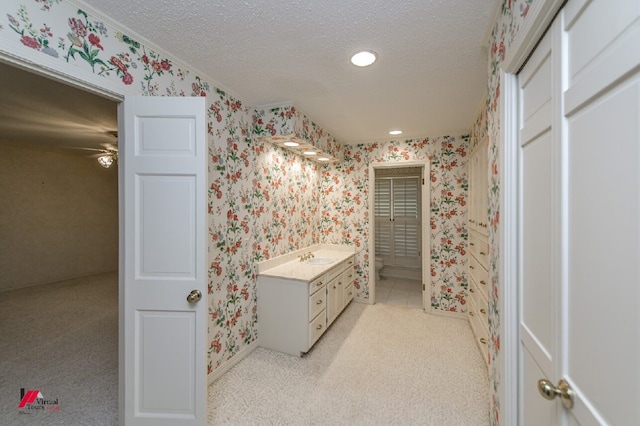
[479, 330]
[317, 284]
[479, 275]
[348, 276]
[483, 308]
[317, 327]
[350, 262]
[317, 303]
[348, 294]
[473, 292]
[479, 248]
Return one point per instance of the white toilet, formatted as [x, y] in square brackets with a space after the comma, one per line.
[379, 266]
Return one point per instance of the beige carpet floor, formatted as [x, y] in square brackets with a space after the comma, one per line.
[376, 365]
[61, 339]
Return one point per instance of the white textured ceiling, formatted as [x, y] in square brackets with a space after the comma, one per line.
[428, 81]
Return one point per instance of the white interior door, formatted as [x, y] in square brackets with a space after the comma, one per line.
[601, 319]
[162, 261]
[539, 242]
[579, 229]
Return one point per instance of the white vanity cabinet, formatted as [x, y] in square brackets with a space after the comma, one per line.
[293, 314]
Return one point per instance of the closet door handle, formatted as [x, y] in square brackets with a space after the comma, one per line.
[194, 296]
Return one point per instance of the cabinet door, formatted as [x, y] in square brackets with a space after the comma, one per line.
[332, 305]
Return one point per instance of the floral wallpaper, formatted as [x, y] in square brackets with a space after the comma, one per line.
[287, 122]
[62, 31]
[345, 215]
[512, 15]
[262, 201]
[479, 129]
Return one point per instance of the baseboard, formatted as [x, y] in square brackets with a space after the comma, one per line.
[456, 315]
[55, 280]
[390, 271]
[227, 365]
[365, 301]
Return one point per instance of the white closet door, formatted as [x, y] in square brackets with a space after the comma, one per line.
[539, 242]
[579, 286]
[601, 316]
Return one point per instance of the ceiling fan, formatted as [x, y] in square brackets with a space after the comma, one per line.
[107, 155]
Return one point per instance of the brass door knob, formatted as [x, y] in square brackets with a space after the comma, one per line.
[563, 390]
[194, 296]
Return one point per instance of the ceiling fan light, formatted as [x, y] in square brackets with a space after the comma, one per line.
[364, 58]
[105, 161]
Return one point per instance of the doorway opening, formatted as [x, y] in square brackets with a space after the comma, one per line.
[399, 245]
[397, 221]
[59, 303]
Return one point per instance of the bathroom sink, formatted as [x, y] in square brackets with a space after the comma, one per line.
[320, 261]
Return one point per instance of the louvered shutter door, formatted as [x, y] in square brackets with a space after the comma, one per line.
[397, 224]
[383, 216]
[405, 217]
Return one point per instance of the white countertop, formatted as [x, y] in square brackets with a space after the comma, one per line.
[289, 266]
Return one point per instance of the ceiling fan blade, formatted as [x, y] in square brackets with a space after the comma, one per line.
[110, 147]
[81, 148]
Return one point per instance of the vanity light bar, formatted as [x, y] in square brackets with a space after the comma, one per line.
[301, 147]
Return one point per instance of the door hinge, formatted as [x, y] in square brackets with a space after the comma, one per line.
[424, 287]
[423, 181]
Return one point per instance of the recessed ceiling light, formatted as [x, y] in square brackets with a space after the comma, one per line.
[323, 159]
[291, 143]
[364, 58]
[309, 153]
[395, 132]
